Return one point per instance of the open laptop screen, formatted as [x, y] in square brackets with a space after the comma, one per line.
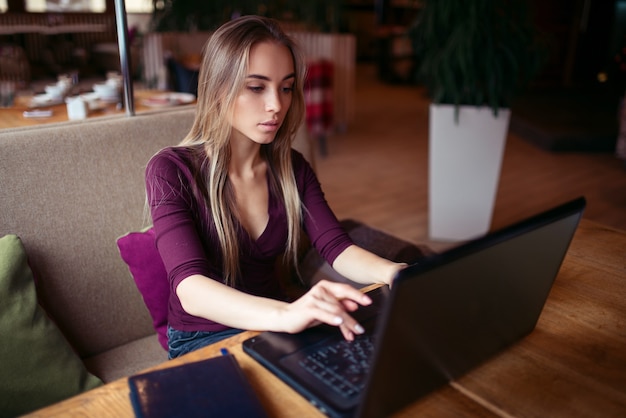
[458, 309]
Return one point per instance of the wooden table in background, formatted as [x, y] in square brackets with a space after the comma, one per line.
[572, 365]
[13, 117]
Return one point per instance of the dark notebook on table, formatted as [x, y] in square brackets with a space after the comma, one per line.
[216, 387]
[442, 317]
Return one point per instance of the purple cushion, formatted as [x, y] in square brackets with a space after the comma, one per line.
[139, 251]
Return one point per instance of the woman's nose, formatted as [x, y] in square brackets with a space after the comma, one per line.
[272, 101]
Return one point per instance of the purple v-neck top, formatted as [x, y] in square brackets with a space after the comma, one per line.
[187, 240]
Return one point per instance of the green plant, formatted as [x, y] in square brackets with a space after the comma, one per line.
[476, 52]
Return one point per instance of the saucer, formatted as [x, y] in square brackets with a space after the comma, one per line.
[45, 100]
[114, 98]
[169, 99]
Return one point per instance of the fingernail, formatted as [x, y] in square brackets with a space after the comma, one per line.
[338, 320]
[359, 329]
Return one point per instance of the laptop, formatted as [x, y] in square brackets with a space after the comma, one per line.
[442, 317]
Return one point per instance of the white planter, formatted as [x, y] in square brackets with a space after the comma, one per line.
[464, 168]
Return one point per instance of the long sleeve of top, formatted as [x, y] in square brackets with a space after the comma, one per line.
[187, 240]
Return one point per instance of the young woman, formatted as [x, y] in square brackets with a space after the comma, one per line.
[231, 199]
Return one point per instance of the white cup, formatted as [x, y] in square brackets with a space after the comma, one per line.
[114, 82]
[55, 91]
[106, 91]
[76, 108]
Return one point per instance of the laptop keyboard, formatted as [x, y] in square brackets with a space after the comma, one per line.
[343, 366]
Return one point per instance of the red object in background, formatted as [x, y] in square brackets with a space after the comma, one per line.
[318, 95]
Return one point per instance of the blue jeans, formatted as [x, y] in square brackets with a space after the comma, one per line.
[182, 342]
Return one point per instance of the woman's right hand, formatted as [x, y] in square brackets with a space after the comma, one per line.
[326, 302]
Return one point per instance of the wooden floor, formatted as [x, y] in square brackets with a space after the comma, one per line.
[376, 172]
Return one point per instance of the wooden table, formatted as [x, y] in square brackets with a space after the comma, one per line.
[13, 117]
[573, 364]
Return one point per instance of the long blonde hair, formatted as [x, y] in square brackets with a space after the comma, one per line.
[221, 79]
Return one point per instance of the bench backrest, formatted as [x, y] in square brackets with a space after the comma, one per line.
[69, 190]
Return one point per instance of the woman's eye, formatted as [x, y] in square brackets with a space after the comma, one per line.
[288, 89]
[255, 89]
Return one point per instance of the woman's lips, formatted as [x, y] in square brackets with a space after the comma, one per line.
[270, 126]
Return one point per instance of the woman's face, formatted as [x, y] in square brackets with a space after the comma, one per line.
[261, 106]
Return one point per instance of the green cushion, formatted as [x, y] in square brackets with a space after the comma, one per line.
[37, 364]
